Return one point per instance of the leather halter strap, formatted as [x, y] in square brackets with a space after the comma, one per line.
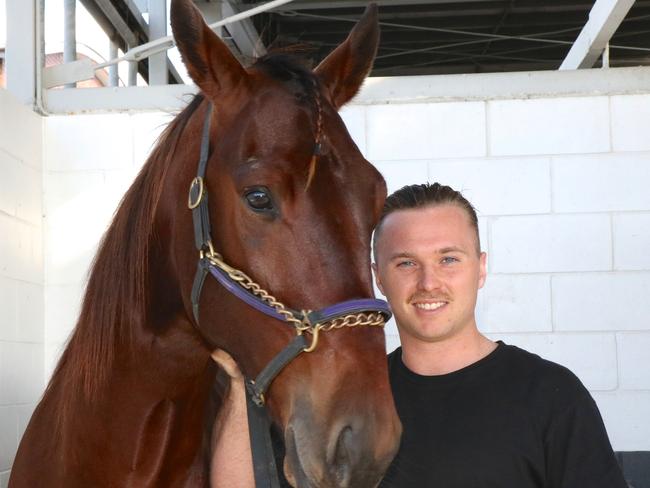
[210, 262]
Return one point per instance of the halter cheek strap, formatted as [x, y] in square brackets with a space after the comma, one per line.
[351, 313]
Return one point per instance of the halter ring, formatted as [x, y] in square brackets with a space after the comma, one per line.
[314, 338]
[192, 204]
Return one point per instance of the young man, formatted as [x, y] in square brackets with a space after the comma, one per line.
[475, 413]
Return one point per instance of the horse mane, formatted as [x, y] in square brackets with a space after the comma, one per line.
[115, 301]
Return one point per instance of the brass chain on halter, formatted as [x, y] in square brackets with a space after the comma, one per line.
[371, 319]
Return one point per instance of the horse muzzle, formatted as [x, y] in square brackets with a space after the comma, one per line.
[354, 452]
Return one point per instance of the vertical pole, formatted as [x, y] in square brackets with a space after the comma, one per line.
[606, 56]
[113, 79]
[133, 73]
[69, 34]
[157, 29]
[40, 56]
[21, 50]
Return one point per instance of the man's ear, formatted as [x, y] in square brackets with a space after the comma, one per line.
[209, 61]
[482, 273]
[342, 72]
[377, 280]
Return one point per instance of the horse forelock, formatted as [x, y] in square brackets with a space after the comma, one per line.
[115, 304]
[290, 68]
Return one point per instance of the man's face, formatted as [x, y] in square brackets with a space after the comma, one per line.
[429, 269]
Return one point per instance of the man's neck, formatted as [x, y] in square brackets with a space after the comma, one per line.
[447, 355]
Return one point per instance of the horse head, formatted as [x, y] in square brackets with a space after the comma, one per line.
[292, 204]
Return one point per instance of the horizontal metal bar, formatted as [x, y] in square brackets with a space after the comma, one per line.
[397, 89]
[161, 98]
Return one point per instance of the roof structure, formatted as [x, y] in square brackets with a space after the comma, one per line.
[418, 36]
[458, 36]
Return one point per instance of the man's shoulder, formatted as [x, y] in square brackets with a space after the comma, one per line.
[547, 378]
[522, 360]
[395, 353]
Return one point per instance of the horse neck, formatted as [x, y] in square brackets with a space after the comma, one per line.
[152, 414]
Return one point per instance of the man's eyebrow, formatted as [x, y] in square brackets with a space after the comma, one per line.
[449, 249]
[400, 255]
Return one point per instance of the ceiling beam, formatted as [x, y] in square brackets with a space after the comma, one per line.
[243, 32]
[109, 10]
[604, 19]
[306, 5]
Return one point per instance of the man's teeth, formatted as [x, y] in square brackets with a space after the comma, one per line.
[429, 306]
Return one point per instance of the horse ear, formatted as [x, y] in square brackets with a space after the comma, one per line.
[208, 60]
[345, 68]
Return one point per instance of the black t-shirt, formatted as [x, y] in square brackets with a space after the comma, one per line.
[510, 420]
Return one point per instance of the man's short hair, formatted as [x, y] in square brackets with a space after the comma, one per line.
[421, 196]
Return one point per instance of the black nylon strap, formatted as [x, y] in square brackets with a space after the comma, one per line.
[197, 286]
[259, 425]
[201, 220]
[259, 430]
[199, 191]
[258, 387]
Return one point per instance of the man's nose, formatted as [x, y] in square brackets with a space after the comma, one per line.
[429, 279]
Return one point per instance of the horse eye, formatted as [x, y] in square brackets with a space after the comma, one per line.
[259, 200]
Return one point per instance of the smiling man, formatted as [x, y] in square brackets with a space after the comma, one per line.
[475, 413]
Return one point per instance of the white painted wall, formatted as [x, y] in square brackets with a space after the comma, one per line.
[21, 273]
[560, 182]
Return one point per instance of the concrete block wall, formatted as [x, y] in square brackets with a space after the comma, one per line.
[21, 273]
[562, 188]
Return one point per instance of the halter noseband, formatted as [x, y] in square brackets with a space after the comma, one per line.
[351, 313]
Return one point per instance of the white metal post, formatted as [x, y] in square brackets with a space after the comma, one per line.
[21, 50]
[158, 29]
[133, 73]
[70, 34]
[113, 76]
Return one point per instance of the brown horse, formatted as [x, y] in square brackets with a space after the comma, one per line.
[129, 403]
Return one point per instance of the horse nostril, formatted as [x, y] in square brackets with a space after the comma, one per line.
[342, 462]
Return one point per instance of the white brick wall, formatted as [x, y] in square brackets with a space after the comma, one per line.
[630, 128]
[631, 241]
[616, 181]
[634, 360]
[547, 243]
[417, 131]
[601, 301]
[548, 126]
[21, 273]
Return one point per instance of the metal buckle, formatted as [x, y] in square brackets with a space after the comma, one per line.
[256, 396]
[314, 338]
[193, 204]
